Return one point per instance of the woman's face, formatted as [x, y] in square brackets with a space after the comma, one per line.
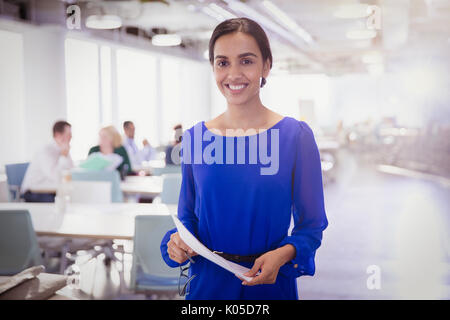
[105, 141]
[238, 67]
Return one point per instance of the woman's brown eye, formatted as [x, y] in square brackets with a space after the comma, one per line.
[221, 63]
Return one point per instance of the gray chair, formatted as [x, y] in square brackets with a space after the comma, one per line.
[15, 173]
[170, 168]
[171, 188]
[149, 272]
[19, 248]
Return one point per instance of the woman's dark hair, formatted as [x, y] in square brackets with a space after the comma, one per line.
[244, 25]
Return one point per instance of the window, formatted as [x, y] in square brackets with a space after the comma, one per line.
[106, 93]
[82, 83]
[171, 98]
[137, 94]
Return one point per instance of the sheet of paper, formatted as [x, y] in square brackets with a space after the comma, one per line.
[202, 250]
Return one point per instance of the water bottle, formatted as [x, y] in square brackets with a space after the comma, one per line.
[62, 197]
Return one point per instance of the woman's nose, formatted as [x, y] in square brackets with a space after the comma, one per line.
[234, 72]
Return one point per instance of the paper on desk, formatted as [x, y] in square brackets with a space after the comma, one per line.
[199, 248]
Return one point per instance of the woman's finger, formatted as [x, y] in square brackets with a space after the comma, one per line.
[180, 243]
[259, 279]
[177, 252]
[176, 241]
[254, 270]
[267, 276]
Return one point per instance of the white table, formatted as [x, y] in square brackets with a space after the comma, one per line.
[148, 186]
[105, 221]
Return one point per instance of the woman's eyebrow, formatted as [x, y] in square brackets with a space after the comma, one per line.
[246, 54]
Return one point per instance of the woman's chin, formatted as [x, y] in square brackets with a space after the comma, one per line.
[236, 101]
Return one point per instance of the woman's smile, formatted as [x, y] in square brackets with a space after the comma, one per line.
[236, 88]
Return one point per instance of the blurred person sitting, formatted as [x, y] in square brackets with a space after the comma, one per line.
[136, 155]
[173, 150]
[45, 170]
[110, 148]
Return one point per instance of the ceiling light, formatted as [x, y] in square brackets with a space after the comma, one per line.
[224, 13]
[287, 21]
[361, 34]
[213, 14]
[165, 40]
[261, 19]
[352, 11]
[103, 22]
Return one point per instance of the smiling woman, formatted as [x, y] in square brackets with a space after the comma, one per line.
[229, 201]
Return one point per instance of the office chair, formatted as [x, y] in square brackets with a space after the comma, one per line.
[170, 168]
[113, 177]
[149, 273]
[171, 188]
[15, 173]
[19, 247]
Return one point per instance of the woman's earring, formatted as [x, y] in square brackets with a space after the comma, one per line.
[263, 82]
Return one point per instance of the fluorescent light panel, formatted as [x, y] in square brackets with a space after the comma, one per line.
[262, 20]
[287, 21]
[224, 13]
[253, 14]
[213, 14]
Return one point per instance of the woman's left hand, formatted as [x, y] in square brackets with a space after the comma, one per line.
[269, 264]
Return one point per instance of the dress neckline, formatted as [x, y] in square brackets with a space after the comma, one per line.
[251, 135]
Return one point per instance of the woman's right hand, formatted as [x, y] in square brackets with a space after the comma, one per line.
[177, 249]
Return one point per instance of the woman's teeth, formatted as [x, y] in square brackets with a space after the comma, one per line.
[238, 87]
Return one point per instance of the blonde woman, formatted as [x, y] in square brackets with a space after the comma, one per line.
[110, 146]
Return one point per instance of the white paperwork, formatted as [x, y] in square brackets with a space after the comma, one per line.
[199, 248]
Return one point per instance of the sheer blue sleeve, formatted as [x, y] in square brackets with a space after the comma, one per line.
[186, 204]
[308, 206]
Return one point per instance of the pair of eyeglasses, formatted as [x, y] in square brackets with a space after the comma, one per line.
[184, 280]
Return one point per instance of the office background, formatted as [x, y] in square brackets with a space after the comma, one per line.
[378, 103]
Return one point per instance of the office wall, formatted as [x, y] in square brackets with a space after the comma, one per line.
[414, 93]
[33, 93]
[32, 89]
[12, 104]
[45, 90]
[285, 93]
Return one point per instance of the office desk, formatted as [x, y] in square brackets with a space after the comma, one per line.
[149, 166]
[148, 186]
[103, 221]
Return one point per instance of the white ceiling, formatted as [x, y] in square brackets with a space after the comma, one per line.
[409, 27]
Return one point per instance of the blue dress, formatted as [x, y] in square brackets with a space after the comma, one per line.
[237, 205]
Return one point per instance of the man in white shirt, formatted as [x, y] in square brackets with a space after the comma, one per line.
[136, 155]
[45, 170]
